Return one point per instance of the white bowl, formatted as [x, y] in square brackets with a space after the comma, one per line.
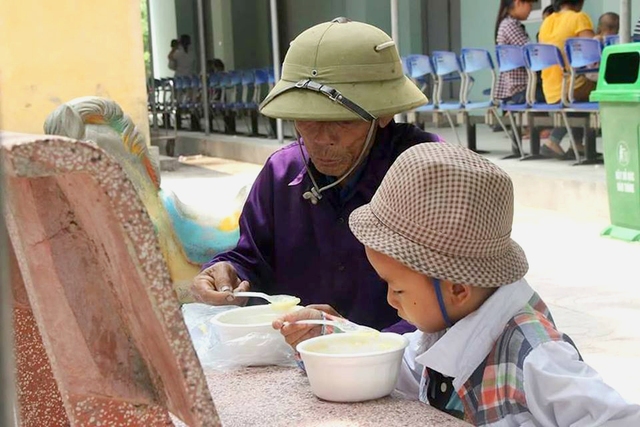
[353, 367]
[247, 338]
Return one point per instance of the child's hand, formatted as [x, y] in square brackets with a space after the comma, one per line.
[295, 334]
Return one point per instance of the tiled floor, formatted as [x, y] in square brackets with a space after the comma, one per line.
[591, 283]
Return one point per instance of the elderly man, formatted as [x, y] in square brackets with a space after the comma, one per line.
[342, 83]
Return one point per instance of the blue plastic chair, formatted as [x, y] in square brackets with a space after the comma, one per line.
[447, 64]
[582, 53]
[479, 60]
[248, 87]
[473, 61]
[420, 69]
[539, 57]
[215, 89]
[611, 40]
[511, 57]
[615, 39]
[233, 84]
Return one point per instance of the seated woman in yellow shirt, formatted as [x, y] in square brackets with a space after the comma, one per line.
[568, 21]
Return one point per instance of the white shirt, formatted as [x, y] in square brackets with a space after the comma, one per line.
[184, 61]
[560, 390]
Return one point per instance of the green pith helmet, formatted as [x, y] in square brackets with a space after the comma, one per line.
[341, 70]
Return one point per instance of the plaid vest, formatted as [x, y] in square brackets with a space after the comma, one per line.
[495, 389]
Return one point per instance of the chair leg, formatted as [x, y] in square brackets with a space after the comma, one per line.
[565, 118]
[518, 150]
[450, 120]
[534, 140]
[592, 157]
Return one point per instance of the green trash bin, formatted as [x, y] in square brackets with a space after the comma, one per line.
[618, 92]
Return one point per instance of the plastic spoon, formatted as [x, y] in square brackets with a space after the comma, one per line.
[277, 301]
[344, 325]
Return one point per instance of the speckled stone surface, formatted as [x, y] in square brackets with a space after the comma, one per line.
[39, 399]
[99, 287]
[279, 397]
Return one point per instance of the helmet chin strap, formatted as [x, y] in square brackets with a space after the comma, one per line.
[314, 194]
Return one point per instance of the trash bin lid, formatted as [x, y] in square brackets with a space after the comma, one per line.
[619, 78]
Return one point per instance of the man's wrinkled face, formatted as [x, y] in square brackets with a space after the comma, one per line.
[333, 146]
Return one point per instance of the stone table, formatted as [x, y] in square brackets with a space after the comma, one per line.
[280, 396]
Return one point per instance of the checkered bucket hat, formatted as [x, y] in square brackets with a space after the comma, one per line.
[446, 212]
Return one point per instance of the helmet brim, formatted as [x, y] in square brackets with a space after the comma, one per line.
[380, 98]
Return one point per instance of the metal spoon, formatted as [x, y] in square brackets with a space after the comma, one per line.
[280, 300]
[344, 325]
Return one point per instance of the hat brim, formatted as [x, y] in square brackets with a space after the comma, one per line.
[505, 269]
[381, 98]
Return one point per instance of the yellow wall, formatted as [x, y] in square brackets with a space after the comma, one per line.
[55, 50]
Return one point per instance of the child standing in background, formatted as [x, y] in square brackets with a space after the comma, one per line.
[512, 85]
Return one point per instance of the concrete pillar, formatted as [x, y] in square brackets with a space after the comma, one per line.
[162, 14]
[77, 48]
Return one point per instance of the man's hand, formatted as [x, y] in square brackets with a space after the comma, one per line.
[215, 285]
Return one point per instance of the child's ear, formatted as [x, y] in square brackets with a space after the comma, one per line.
[459, 294]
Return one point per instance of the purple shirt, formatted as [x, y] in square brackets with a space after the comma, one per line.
[289, 246]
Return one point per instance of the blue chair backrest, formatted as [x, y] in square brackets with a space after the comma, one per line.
[248, 77]
[213, 79]
[446, 62]
[224, 79]
[615, 39]
[582, 52]
[510, 57]
[476, 60]
[611, 40]
[540, 56]
[235, 78]
[418, 66]
[262, 76]
[272, 76]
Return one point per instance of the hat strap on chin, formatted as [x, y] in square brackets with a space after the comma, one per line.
[443, 309]
[314, 193]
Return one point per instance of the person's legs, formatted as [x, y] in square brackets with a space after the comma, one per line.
[581, 93]
[518, 98]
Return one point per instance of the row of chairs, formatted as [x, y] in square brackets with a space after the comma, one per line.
[615, 39]
[444, 66]
[582, 54]
[231, 95]
[237, 94]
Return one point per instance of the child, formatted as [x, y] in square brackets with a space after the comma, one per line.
[509, 30]
[608, 25]
[512, 85]
[487, 349]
